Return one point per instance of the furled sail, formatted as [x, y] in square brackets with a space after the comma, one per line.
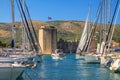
[83, 37]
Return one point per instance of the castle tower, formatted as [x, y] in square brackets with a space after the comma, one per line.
[48, 39]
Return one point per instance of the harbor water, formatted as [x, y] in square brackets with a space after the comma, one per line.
[68, 69]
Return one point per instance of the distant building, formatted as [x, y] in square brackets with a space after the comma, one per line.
[48, 39]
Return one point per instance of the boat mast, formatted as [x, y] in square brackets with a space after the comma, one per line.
[109, 15]
[23, 32]
[101, 28]
[29, 27]
[113, 29]
[110, 28]
[90, 36]
[13, 25]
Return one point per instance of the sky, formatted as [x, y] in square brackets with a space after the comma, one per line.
[57, 9]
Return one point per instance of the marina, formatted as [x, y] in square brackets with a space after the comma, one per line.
[61, 49]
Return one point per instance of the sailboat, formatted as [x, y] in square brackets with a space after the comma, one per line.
[115, 63]
[8, 70]
[19, 53]
[12, 61]
[92, 56]
[34, 53]
[80, 49]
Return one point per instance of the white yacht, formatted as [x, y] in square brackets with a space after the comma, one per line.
[80, 57]
[58, 54]
[10, 71]
[92, 58]
[115, 66]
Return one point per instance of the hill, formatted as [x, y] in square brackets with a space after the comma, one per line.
[68, 30]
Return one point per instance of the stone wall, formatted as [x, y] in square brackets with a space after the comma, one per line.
[48, 39]
[67, 46]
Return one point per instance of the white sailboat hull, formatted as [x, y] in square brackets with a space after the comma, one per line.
[103, 60]
[92, 59]
[58, 56]
[115, 66]
[10, 71]
[12, 60]
[106, 59]
[79, 57]
[106, 62]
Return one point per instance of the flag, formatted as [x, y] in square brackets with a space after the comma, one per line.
[49, 17]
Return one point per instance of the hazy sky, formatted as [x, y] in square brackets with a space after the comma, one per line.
[57, 9]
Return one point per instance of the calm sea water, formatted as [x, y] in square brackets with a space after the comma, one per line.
[68, 69]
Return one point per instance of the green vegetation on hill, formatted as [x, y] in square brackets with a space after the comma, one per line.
[67, 30]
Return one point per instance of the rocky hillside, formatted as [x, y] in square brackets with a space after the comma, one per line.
[68, 30]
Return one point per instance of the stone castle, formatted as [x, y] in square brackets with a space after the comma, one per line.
[48, 41]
